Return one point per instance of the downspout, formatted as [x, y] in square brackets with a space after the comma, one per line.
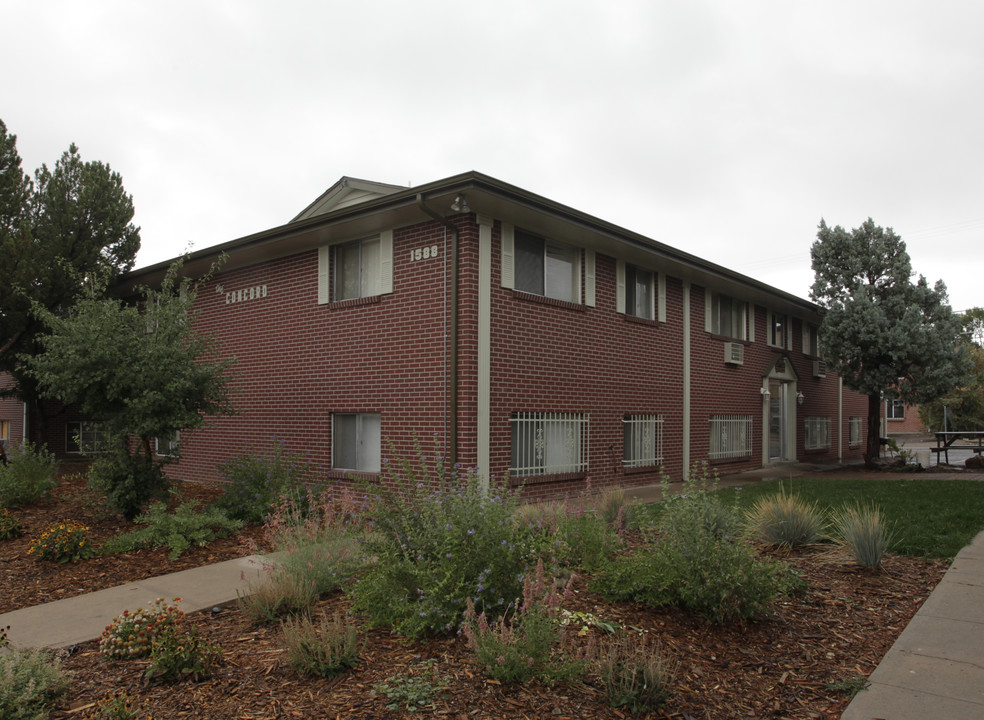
[452, 449]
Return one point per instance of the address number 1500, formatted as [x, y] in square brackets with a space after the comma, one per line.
[424, 253]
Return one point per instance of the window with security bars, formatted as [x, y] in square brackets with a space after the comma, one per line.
[730, 436]
[643, 440]
[548, 443]
[854, 431]
[817, 433]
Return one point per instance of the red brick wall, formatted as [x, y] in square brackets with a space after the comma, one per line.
[297, 362]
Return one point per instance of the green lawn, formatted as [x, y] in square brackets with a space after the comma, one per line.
[930, 518]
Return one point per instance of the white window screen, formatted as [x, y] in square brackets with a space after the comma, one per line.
[854, 431]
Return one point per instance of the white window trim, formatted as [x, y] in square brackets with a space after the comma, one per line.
[326, 254]
[172, 445]
[788, 339]
[585, 291]
[854, 434]
[747, 331]
[84, 427]
[659, 291]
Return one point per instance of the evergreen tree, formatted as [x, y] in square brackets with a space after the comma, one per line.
[880, 331]
[71, 223]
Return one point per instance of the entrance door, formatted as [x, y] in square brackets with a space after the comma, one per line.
[777, 420]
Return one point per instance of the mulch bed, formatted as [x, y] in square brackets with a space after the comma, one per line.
[778, 667]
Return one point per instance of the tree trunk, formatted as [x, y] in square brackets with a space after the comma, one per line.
[873, 445]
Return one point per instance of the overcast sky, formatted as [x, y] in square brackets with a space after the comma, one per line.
[727, 129]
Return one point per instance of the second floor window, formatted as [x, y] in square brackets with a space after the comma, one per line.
[638, 292]
[778, 330]
[546, 268]
[896, 410]
[727, 316]
[357, 269]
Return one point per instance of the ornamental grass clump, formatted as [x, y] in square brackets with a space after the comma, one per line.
[785, 521]
[326, 650]
[28, 476]
[132, 634]
[862, 532]
[317, 537]
[439, 541]
[635, 673]
[277, 594]
[62, 542]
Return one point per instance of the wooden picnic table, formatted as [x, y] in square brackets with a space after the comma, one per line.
[946, 441]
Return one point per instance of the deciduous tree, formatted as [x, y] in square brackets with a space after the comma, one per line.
[143, 371]
[882, 332]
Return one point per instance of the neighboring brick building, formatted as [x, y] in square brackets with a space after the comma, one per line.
[528, 338]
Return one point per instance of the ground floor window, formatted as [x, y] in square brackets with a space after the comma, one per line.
[730, 436]
[168, 446]
[643, 440]
[817, 433]
[356, 441]
[4, 432]
[547, 443]
[854, 432]
[896, 410]
[84, 437]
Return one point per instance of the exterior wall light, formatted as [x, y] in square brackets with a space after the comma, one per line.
[800, 397]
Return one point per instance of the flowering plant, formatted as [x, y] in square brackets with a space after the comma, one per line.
[131, 635]
[62, 542]
[9, 526]
[175, 656]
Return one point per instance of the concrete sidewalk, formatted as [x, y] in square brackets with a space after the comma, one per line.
[78, 619]
[936, 667]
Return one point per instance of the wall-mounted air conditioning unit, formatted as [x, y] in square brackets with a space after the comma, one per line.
[819, 368]
[734, 353]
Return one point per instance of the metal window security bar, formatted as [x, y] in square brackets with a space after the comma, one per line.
[548, 443]
[817, 430]
[730, 436]
[643, 440]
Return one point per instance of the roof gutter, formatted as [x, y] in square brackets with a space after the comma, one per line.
[452, 399]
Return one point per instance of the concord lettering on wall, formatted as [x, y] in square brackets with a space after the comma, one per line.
[244, 294]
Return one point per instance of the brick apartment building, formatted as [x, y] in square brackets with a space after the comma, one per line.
[528, 338]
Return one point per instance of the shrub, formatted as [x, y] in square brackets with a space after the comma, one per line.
[281, 593]
[440, 541]
[179, 656]
[131, 635]
[635, 673]
[698, 561]
[30, 682]
[520, 646]
[10, 527]
[785, 521]
[862, 532]
[28, 476]
[63, 542]
[128, 482]
[254, 482]
[178, 531]
[325, 650]
[584, 540]
[317, 538]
